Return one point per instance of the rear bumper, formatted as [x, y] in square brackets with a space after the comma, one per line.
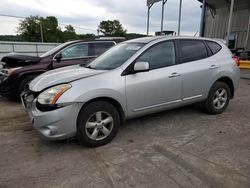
[57, 124]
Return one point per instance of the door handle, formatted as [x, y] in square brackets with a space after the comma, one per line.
[214, 67]
[174, 74]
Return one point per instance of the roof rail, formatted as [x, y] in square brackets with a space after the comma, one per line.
[110, 38]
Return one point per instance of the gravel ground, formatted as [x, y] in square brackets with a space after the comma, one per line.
[177, 148]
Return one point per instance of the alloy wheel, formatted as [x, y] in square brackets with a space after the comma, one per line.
[99, 125]
[220, 98]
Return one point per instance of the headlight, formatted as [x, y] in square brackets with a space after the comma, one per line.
[8, 72]
[12, 70]
[51, 95]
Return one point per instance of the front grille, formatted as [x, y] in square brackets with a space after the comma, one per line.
[4, 72]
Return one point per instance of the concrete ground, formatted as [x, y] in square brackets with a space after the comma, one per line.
[245, 74]
[178, 148]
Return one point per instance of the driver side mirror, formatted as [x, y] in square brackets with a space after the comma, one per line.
[141, 66]
[58, 57]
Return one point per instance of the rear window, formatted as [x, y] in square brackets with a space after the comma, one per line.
[213, 46]
[192, 50]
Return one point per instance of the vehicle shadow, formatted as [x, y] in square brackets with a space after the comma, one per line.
[152, 121]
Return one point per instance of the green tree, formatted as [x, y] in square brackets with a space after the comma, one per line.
[31, 27]
[111, 28]
[134, 35]
[11, 38]
[69, 33]
[30, 30]
[86, 36]
[51, 31]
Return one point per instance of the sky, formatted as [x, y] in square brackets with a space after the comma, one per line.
[87, 14]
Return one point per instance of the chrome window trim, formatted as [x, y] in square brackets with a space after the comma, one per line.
[77, 58]
[81, 43]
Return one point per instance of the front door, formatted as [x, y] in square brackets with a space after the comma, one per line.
[72, 55]
[160, 87]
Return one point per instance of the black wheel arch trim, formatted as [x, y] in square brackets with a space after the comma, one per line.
[112, 101]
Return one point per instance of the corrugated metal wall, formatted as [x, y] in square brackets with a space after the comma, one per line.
[216, 27]
[26, 48]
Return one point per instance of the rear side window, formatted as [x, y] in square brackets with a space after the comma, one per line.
[192, 50]
[214, 47]
[98, 48]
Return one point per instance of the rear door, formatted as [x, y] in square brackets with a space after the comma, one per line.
[97, 48]
[198, 69]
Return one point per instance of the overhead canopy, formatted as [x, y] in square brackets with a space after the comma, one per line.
[150, 2]
[226, 3]
[232, 5]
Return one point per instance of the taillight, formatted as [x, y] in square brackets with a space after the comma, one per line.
[236, 59]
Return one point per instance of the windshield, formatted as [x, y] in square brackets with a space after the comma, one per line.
[115, 57]
[53, 50]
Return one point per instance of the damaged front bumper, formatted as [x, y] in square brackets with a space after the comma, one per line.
[56, 124]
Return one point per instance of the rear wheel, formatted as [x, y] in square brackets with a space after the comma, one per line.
[218, 98]
[98, 123]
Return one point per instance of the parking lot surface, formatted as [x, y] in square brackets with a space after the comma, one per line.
[177, 148]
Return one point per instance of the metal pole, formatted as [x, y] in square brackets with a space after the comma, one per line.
[148, 20]
[162, 15]
[13, 47]
[202, 18]
[230, 21]
[41, 30]
[37, 54]
[248, 27]
[179, 23]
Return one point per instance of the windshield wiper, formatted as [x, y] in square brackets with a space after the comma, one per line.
[82, 64]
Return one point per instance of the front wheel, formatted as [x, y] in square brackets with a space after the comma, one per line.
[218, 98]
[24, 84]
[98, 123]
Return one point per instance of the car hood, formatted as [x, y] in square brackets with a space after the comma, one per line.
[18, 60]
[61, 75]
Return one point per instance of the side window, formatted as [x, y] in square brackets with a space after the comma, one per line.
[214, 47]
[76, 51]
[192, 50]
[98, 48]
[160, 55]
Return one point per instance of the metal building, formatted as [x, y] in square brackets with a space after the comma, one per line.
[229, 20]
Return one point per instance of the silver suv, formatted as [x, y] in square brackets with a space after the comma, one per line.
[132, 79]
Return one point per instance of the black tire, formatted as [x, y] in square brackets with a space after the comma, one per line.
[208, 105]
[90, 111]
[25, 83]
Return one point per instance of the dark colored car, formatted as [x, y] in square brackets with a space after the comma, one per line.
[18, 70]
